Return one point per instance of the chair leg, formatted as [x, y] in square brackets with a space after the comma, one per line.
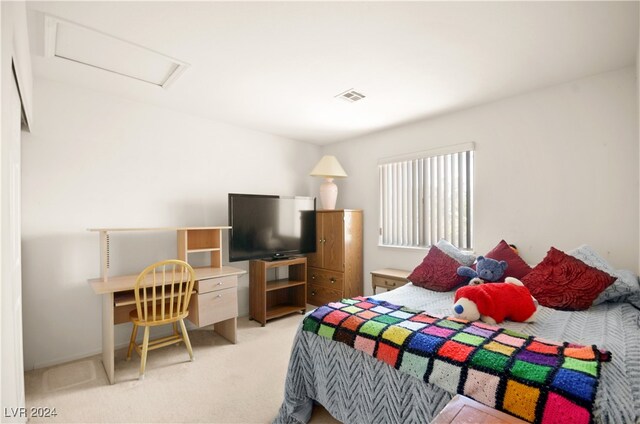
[175, 332]
[187, 342]
[132, 343]
[145, 349]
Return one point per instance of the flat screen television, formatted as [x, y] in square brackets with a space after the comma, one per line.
[270, 227]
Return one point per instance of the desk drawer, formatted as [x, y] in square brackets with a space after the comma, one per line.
[212, 307]
[214, 284]
[329, 279]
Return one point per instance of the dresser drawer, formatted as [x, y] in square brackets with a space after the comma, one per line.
[319, 295]
[389, 278]
[328, 279]
[212, 307]
[387, 282]
[214, 284]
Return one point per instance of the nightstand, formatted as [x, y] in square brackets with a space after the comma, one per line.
[463, 410]
[388, 278]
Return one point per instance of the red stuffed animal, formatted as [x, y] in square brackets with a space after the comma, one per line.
[495, 302]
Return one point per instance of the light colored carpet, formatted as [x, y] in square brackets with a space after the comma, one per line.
[227, 383]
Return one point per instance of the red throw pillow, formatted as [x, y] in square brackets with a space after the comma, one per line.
[517, 268]
[563, 282]
[437, 272]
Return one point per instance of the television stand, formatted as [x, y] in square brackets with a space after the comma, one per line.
[277, 298]
[278, 257]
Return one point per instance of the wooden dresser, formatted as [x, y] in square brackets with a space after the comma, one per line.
[335, 270]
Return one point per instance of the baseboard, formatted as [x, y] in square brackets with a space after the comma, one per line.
[160, 333]
[70, 358]
[65, 359]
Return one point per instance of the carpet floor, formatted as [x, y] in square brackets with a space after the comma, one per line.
[227, 383]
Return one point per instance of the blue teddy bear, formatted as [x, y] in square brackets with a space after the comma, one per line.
[487, 269]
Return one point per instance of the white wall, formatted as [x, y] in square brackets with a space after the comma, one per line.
[94, 160]
[554, 167]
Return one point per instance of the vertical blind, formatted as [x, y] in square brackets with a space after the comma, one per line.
[427, 197]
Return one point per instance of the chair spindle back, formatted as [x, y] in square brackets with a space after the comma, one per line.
[163, 291]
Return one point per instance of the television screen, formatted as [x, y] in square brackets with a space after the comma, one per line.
[270, 227]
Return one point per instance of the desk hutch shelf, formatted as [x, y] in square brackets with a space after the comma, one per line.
[198, 240]
[190, 240]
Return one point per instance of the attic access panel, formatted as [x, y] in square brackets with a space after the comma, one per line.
[86, 46]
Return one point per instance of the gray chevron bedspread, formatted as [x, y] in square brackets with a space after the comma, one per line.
[357, 388]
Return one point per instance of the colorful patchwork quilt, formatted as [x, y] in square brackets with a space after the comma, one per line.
[538, 380]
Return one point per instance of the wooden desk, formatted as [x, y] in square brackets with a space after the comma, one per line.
[215, 302]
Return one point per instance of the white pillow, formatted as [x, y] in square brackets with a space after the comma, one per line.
[453, 252]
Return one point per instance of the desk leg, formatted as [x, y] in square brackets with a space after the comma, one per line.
[108, 337]
[227, 329]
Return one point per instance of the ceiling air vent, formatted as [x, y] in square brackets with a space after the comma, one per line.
[351, 95]
[77, 43]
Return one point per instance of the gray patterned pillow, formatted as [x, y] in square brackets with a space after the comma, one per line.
[453, 252]
[625, 285]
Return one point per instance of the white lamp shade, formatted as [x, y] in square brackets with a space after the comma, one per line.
[328, 166]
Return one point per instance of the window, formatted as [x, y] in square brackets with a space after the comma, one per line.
[427, 196]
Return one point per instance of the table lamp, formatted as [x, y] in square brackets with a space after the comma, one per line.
[329, 168]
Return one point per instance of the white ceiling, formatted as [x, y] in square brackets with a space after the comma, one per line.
[276, 66]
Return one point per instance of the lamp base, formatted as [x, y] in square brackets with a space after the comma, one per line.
[328, 194]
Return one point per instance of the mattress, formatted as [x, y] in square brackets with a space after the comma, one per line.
[356, 388]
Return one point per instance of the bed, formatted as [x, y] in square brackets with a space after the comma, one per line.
[356, 388]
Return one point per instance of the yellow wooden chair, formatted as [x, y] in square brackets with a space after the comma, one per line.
[162, 294]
